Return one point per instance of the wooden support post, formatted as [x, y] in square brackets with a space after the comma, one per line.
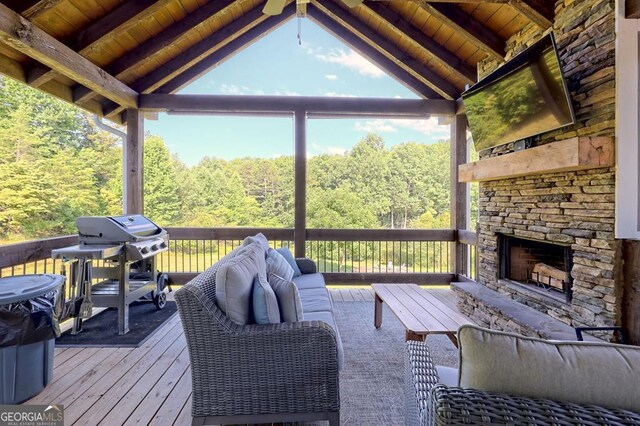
[300, 165]
[459, 191]
[133, 153]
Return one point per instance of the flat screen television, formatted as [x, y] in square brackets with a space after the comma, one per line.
[525, 97]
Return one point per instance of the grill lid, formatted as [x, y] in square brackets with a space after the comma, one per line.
[117, 229]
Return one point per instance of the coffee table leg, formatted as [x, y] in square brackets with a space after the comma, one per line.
[410, 335]
[453, 339]
[377, 314]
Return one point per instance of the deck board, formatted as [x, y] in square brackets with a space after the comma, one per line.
[150, 384]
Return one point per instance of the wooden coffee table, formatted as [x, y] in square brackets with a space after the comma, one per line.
[421, 311]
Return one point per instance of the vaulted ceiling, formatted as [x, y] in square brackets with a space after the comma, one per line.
[100, 54]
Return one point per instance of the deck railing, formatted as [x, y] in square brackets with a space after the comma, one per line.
[343, 255]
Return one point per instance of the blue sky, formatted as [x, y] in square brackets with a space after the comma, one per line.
[278, 65]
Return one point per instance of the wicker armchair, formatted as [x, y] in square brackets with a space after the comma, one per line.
[430, 403]
[256, 373]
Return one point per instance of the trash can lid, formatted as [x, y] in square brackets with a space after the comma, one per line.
[24, 287]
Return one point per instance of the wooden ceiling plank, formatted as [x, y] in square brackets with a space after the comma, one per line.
[156, 43]
[466, 26]
[22, 35]
[372, 54]
[632, 9]
[226, 51]
[156, 78]
[32, 9]
[442, 55]
[540, 12]
[120, 19]
[411, 64]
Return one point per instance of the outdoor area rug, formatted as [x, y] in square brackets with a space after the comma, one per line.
[371, 382]
[102, 329]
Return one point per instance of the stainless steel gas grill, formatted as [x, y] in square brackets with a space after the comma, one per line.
[126, 247]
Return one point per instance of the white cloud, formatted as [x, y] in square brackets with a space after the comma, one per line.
[331, 77]
[317, 149]
[232, 89]
[351, 60]
[427, 127]
[375, 126]
[339, 95]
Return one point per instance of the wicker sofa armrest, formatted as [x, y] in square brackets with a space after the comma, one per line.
[307, 266]
[238, 370]
[452, 405]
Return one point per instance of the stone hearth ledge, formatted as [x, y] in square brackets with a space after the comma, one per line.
[490, 309]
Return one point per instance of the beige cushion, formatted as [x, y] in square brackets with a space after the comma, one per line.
[601, 374]
[234, 283]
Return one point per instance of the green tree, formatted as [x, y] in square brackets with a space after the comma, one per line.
[161, 197]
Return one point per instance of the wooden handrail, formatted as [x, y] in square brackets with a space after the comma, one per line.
[29, 251]
[467, 237]
[381, 235]
[228, 233]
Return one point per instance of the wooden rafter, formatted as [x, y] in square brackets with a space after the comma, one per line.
[225, 52]
[466, 26]
[117, 21]
[157, 43]
[540, 12]
[388, 49]
[449, 60]
[25, 37]
[32, 9]
[156, 78]
[632, 9]
[366, 50]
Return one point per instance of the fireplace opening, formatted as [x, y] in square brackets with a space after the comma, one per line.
[541, 266]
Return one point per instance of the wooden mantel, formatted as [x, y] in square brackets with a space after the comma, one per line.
[579, 153]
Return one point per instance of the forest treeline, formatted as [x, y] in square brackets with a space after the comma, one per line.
[55, 165]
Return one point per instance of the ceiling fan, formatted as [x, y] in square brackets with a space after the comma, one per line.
[275, 7]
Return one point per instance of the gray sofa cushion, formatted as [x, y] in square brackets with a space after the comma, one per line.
[305, 281]
[288, 298]
[258, 238]
[234, 283]
[327, 317]
[601, 374]
[315, 300]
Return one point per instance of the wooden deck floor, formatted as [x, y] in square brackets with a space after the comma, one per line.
[150, 384]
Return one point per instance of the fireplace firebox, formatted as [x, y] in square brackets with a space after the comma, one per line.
[541, 266]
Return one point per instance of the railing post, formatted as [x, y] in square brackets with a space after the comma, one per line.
[132, 162]
[300, 167]
[459, 191]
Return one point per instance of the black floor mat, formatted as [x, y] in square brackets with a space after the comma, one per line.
[102, 329]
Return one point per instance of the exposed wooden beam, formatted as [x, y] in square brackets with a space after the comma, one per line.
[118, 20]
[225, 52]
[632, 9]
[540, 12]
[289, 104]
[466, 26]
[300, 172]
[453, 64]
[387, 48]
[32, 9]
[133, 153]
[459, 205]
[156, 78]
[25, 37]
[157, 43]
[366, 50]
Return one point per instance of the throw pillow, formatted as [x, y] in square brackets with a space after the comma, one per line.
[265, 303]
[234, 283]
[258, 238]
[286, 253]
[288, 298]
[278, 265]
[602, 374]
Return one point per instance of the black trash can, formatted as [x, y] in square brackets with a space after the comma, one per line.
[28, 329]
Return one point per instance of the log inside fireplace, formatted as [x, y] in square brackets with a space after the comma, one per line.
[539, 265]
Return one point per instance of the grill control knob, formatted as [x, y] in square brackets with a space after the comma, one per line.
[144, 250]
[163, 245]
[154, 247]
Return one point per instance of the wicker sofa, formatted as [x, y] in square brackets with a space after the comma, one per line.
[284, 372]
[432, 399]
